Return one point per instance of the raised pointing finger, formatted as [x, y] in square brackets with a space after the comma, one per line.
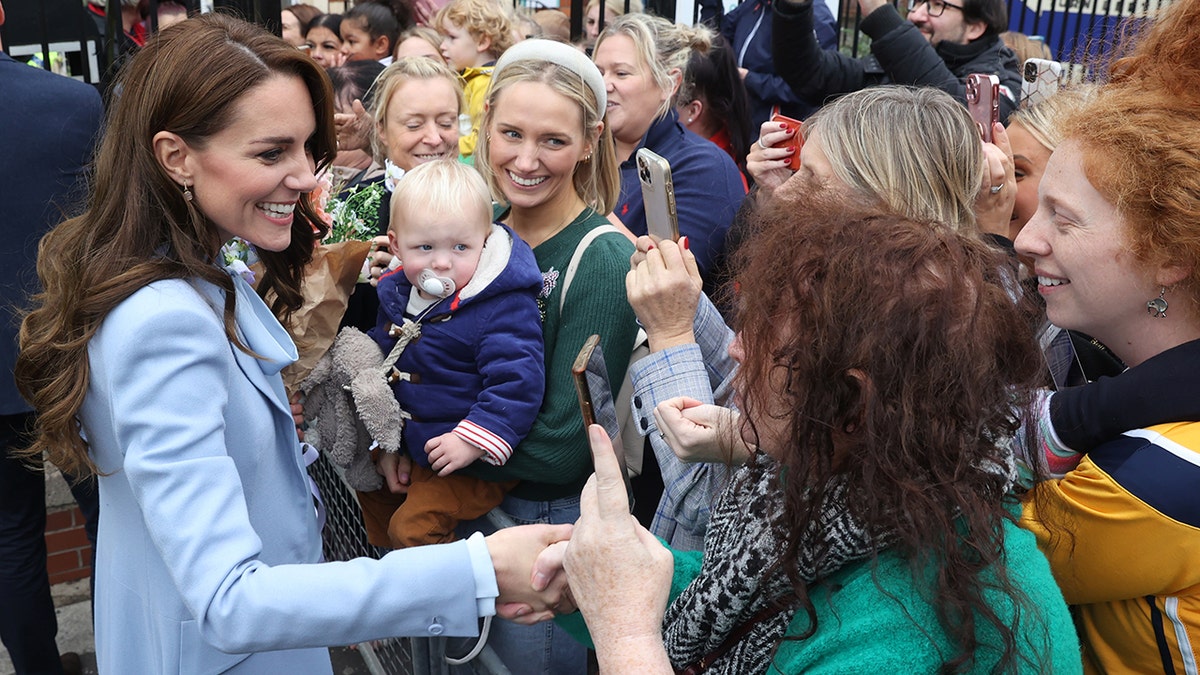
[611, 499]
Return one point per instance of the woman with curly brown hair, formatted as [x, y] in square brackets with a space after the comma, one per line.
[155, 366]
[882, 360]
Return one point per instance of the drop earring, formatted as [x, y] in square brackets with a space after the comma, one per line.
[1158, 306]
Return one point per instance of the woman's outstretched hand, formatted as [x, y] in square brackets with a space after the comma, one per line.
[515, 553]
[620, 575]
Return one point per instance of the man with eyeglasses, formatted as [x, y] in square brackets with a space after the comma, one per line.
[940, 44]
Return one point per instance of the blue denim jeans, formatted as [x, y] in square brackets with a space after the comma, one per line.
[544, 649]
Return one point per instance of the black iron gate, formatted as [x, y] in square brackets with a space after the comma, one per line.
[1075, 30]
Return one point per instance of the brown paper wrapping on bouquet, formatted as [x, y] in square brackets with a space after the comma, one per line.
[328, 282]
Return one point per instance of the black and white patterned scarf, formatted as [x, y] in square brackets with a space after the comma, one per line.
[744, 539]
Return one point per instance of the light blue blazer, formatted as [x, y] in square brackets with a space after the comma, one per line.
[208, 532]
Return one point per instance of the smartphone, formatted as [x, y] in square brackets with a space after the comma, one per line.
[796, 141]
[1041, 79]
[983, 102]
[658, 194]
[596, 400]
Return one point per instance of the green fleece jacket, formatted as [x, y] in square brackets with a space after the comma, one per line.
[872, 618]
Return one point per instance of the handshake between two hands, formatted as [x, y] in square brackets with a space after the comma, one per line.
[607, 565]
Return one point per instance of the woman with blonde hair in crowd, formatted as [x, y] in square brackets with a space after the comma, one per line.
[933, 176]
[612, 9]
[930, 164]
[155, 368]
[548, 156]
[419, 41]
[413, 120]
[642, 58]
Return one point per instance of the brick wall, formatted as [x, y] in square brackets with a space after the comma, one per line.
[69, 555]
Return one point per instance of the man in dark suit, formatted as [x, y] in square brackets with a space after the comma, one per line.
[48, 126]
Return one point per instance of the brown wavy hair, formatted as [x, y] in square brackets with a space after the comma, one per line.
[138, 228]
[1140, 138]
[890, 352]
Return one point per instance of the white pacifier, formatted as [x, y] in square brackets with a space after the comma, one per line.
[434, 285]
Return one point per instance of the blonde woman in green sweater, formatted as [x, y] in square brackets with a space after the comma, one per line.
[549, 157]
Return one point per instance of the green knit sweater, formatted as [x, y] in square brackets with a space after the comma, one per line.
[873, 618]
[554, 460]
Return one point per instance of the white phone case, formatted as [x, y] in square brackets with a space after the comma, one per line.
[1041, 79]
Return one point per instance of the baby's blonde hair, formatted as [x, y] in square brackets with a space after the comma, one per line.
[444, 186]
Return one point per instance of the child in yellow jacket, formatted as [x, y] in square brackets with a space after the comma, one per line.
[476, 33]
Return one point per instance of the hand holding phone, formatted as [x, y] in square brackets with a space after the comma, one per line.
[596, 400]
[983, 102]
[795, 141]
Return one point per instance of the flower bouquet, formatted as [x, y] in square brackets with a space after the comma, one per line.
[338, 261]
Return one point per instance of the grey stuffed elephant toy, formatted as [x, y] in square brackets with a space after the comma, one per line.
[349, 399]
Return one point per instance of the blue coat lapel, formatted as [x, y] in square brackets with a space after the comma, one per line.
[260, 331]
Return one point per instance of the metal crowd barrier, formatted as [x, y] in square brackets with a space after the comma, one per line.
[1075, 30]
[344, 538]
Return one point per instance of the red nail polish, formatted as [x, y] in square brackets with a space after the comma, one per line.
[684, 241]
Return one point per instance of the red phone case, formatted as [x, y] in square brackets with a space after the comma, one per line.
[796, 141]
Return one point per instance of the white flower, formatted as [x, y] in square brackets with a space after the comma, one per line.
[241, 269]
[237, 255]
[391, 175]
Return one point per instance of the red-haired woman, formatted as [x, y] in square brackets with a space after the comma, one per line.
[1116, 254]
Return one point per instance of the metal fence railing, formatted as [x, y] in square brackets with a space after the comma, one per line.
[83, 35]
[1075, 30]
[344, 538]
[1079, 30]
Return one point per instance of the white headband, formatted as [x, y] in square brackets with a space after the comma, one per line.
[560, 53]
